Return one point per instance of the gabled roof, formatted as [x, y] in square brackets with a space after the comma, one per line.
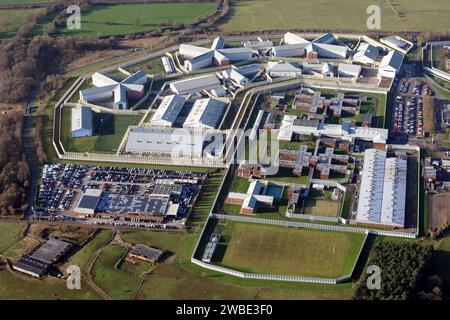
[392, 60]
[81, 118]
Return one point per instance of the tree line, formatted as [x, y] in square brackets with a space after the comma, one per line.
[14, 170]
[402, 268]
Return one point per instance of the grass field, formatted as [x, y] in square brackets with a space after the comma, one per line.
[132, 18]
[12, 19]
[82, 256]
[21, 248]
[25, 1]
[25, 288]
[107, 138]
[428, 112]
[117, 283]
[416, 15]
[276, 250]
[240, 184]
[10, 233]
[326, 208]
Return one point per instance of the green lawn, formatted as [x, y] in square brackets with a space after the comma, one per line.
[327, 208]
[108, 20]
[10, 233]
[21, 248]
[12, 19]
[286, 251]
[285, 175]
[82, 256]
[110, 130]
[49, 288]
[240, 184]
[163, 240]
[153, 66]
[117, 283]
[254, 15]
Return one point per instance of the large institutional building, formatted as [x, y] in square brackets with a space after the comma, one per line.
[200, 57]
[108, 89]
[325, 46]
[291, 124]
[383, 189]
[82, 122]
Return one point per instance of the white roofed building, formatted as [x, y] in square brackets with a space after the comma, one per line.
[326, 46]
[168, 111]
[349, 71]
[195, 85]
[82, 122]
[166, 142]
[290, 125]
[290, 50]
[391, 64]
[382, 193]
[199, 57]
[107, 89]
[283, 69]
[206, 113]
[366, 54]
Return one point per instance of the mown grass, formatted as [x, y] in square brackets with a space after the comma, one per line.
[109, 130]
[10, 233]
[120, 285]
[276, 250]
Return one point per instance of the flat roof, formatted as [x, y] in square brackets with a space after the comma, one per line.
[133, 205]
[51, 250]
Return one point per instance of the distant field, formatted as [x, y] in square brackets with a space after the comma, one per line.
[12, 19]
[286, 251]
[112, 132]
[132, 18]
[10, 233]
[25, 1]
[50, 288]
[417, 15]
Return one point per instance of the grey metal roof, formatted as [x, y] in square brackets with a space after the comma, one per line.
[51, 250]
[196, 84]
[81, 118]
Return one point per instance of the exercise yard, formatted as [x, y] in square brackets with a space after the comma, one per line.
[327, 208]
[287, 251]
[109, 130]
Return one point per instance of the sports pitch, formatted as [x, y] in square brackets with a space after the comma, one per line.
[287, 251]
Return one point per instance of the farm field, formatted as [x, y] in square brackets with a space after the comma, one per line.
[12, 19]
[106, 140]
[131, 18]
[275, 250]
[10, 233]
[25, 1]
[415, 15]
[21, 248]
